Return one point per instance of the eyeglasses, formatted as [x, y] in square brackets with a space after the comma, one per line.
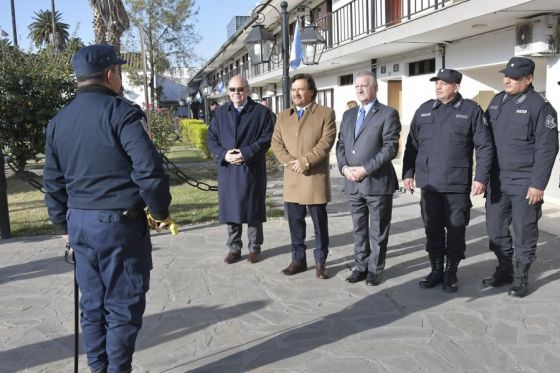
[238, 89]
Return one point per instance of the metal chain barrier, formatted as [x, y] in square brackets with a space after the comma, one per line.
[24, 175]
[171, 167]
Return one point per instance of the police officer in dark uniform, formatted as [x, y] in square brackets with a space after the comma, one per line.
[101, 170]
[439, 154]
[524, 126]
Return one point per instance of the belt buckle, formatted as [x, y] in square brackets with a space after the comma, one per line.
[131, 214]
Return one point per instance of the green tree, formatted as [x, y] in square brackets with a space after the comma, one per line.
[32, 89]
[74, 43]
[170, 33]
[110, 21]
[41, 30]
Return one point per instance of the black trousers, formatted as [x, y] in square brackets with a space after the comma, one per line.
[503, 210]
[446, 217]
[371, 221]
[296, 221]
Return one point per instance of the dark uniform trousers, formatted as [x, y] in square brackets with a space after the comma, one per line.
[446, 217]
[113, 263]
[254, 234]
[296, 221]
[371, 221]
[501, 211]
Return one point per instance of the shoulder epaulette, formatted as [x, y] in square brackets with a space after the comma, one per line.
[127, 101]
[429, 101]
[471, 101]
[544, 99]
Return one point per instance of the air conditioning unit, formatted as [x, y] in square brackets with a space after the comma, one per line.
[537, 36]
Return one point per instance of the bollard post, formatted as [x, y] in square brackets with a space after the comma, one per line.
[4, 214]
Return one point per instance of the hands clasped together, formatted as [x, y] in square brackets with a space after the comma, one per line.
[356, 173]
[234, 156]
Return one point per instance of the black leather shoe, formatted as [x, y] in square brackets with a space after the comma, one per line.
[295, 268]
[374, 279]
[232, 257]
[321, 272]
[356, 276]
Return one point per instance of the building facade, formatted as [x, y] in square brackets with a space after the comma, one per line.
[404, 42]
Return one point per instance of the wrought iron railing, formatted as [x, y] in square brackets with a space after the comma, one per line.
[364, 17]
[354, 20]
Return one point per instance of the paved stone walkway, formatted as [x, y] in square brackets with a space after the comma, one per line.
[205, 316]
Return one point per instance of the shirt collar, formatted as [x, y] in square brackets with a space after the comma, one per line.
[95, 88]
[368, 106]
[456, 102]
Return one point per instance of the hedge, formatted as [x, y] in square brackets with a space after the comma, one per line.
[195, 132]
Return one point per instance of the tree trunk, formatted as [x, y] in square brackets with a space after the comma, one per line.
[14, 23]
[54, 34]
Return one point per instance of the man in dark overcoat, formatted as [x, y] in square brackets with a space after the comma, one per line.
[238, 138]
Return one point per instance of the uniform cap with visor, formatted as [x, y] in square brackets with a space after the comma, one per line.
[518, 67]
[94, 59]
[448, 75]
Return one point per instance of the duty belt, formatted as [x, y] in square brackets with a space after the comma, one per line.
[131, 214]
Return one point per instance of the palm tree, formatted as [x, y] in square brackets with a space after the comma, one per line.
[12, 6]
[110, 21]
[41, 30]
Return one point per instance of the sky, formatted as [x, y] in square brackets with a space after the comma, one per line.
[212, 19]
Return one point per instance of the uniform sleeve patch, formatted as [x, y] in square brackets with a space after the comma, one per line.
[550, 122]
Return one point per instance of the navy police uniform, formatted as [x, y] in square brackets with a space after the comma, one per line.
[101, 170]
[439, 155]
[525, 133]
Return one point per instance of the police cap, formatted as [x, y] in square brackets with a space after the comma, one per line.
[518, 67]
[448, 75]
[94, 59]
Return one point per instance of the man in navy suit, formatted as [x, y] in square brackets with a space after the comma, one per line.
[367, 143]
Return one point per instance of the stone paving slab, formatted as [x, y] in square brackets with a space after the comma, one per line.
[206, 316]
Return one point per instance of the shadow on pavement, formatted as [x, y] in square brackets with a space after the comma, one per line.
[162, 327]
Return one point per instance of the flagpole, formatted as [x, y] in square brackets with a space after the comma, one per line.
[285, 54]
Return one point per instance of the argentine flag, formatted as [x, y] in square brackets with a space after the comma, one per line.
[296, 53]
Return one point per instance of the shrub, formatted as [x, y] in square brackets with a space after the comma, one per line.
[195, 132]
[272, 163]
[161, 128]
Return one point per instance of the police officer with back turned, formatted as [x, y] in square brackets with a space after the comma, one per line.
[439, 154]
[524, 125]
[101, 170]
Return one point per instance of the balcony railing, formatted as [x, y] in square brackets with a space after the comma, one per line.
[364, 17]
[354, 20]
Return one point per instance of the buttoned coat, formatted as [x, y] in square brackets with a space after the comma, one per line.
[439, 148]
[241, 188]
[374, 147]
[310, 141]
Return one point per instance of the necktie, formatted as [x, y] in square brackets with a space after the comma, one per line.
[360, 121]
[300, 113]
